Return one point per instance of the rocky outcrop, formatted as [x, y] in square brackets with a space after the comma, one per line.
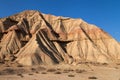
[34, 38]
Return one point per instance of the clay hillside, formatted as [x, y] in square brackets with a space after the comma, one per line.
[34, 38]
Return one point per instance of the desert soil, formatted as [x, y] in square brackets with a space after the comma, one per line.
[61, 72]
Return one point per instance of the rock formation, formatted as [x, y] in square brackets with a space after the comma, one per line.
[34, 38]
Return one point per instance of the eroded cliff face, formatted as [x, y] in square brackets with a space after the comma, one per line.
[33, 38]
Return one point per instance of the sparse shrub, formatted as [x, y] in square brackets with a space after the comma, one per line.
[96, 64]
[93, 77]
[37, 72]
[105, 64]
[20, 70]
[70, 70]
[80, 71]
[0, 73]
[9, 71]
[66, 71]
[118, 63]
[51, 70]
[20, 75]
[30, 74]
[43, 72]
[71, 75]
[57, 72]
[58, 69]
[7, 65]
[41, 68]
[33, 69]
[116, 68]
[19, 65]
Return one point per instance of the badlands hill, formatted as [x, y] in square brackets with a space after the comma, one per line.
[34, 38]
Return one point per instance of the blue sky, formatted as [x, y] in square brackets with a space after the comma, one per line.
[103, 13]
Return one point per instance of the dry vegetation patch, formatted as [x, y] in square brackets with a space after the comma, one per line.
[43, 72]
[58, 72]
[92, 77]
[20, 75]
[71, 75]
[80, 70]
[51, 70]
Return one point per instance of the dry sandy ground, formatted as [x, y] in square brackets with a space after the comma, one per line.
[62, 72]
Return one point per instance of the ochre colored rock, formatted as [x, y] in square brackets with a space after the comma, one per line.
[34, 38]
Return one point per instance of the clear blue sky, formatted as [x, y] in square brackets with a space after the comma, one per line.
[103, 13]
